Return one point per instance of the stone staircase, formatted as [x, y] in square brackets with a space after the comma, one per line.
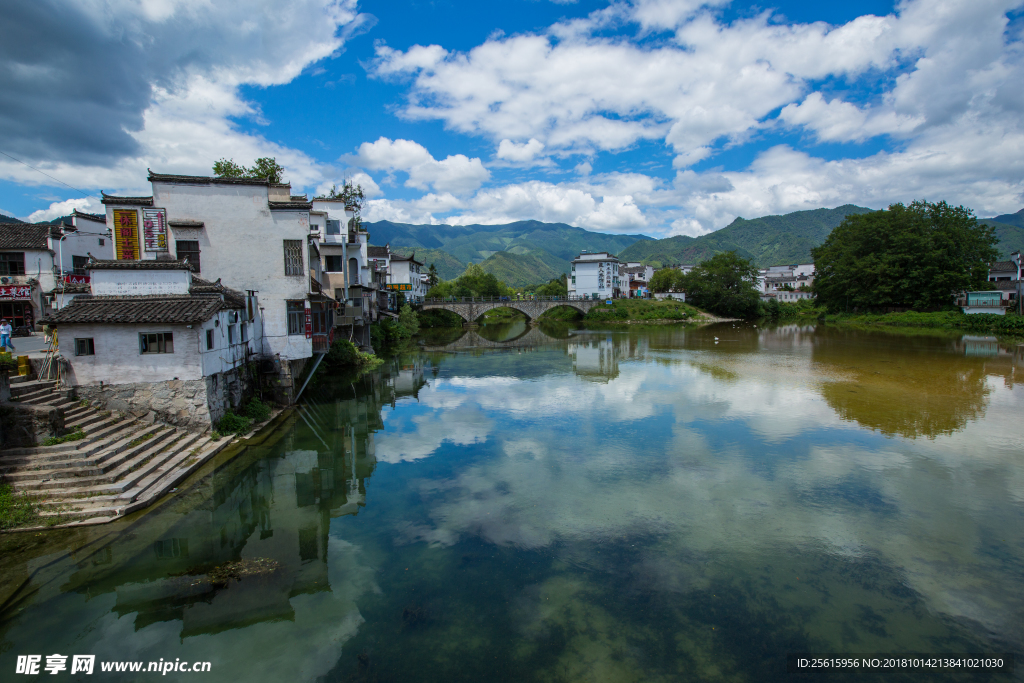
[122, 464]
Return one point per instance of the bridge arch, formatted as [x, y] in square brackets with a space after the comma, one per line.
[470, 311]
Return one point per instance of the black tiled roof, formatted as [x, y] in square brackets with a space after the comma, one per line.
[1005, 285]
[132, 264]
[24, 235]
[127, 201]
[412, 257]
[186, 224]
[71, 288]
[232, 297]
[1003, 265]
[633, 269]
[283, 206]
[377, 252]
[91, 216]
[180, 309]
[203, 179]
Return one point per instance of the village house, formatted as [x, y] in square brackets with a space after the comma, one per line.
[635, 277]
[784, 278]
[35, 259]
[152, 339]
[377, 271]
[406, 277]
[594, 276]
[1004, 292]
[254, 235]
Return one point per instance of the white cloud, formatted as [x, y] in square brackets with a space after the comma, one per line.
[839, 121]
[456, 173]
[521, 152]
[57, 209]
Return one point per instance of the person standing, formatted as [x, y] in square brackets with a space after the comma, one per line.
[5, 335]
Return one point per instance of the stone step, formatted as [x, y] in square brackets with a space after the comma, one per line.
[50, 399]
[94, 442]
[22, 379]
[79, 409]
[65, 473]
[162, 480]
[134, 481]
[89, 418]
[107, 477]
[32, 396]
[26, 386]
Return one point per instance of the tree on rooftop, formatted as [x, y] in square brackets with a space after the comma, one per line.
[353, 197]
[264, 167]
[916, 256]
[227, 168]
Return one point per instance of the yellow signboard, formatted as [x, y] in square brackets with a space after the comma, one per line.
[126, 233]
[400, 287]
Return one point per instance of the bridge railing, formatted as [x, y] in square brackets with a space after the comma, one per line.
[501, 299]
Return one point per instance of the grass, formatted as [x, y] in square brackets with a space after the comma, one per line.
[73, 436]
[649, 310]
[144, 437]
[16, 509]
[1006, 325]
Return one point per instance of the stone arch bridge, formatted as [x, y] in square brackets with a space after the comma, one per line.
[469, 339]
[469, 309]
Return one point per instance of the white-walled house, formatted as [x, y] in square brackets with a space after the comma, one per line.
[152, 339]
[594, 276]
[406, 277]
[777, 278]
[635, 277]
[252, 234]
[35, 257]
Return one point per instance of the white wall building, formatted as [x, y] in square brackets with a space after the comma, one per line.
[405, 277]
[635, 277]
[151, 338]
[252, 234]
[594, 276]
[33, 259]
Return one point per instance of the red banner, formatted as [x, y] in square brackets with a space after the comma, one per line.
[309, 322]
[16, 292]
[76, 279]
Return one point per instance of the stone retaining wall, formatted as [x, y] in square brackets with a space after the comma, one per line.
[26, 425]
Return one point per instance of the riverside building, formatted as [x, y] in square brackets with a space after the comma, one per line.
[594, 276]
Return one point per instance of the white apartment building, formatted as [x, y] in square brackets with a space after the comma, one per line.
[406, 277]
[594, 276]
[251, 234]
[634, 277]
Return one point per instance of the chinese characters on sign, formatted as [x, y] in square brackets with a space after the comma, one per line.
[16, 292]
[76, 279]
[309, 322]
[126, 233]
[400, 287]
[154, 227]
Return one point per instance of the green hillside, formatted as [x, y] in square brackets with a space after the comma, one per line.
[1016, 219]
[448, 267]
[475, 243]
[520, 270]
[1010, 231]
[768, 241]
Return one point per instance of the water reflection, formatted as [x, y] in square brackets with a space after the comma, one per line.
[626, 505]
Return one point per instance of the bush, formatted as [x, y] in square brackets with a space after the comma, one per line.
[342, 354]
[234, 424]
[408, 320]
[257, 410]
[438, 317]
[73, 436]
[388, 332]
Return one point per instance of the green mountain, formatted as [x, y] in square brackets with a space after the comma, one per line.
[475, 243]
[1016, 219]
[768, 241]
[448, 267]
[1010, 231]
[520, 270]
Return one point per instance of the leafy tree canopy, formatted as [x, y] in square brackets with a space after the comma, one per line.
[432, 278]
[558, 286]
[666, 280]
[915, 256]
[725, 284]
[473, 282]
[264, 167]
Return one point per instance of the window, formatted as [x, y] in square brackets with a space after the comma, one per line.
[209, 340]
[84, 347]
[188, 249]
[102, 241]
[333, 264]
[231, 334]
[78, 264]
[12, 263]
[296, 317]
[293, 257]
[245, 333]
[333, 227]
[156, 342]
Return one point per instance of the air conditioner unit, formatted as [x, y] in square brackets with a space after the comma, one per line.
[5, 280]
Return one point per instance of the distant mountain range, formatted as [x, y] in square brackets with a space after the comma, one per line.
[520, 253]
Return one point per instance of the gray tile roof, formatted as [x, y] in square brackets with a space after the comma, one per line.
[232, 297]
[132, 264]
[1005, 285]
[24, 235]
[203, 179]
[179, 309]
[377, 252]
[186, 224]
[127, 201]
[286, 206]
[91, 216]
[1003, 266]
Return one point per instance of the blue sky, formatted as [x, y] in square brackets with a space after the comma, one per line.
[647, 116]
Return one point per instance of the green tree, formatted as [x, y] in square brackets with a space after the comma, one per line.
[666, 280]
[432, 278]
[916, 256]
[408, 320]
[474, 281]
[264, 167]
[353, 197]
[558, 286]
[725, 285]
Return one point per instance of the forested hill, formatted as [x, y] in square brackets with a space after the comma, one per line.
[768, 241]
[1009, 229]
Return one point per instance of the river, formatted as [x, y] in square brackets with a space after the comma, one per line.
[557, 504]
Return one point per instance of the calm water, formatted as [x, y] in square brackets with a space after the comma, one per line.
[571, 505]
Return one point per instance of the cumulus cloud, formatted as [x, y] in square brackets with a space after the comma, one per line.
[522, 152]
[99, 91]
[456, 173]
[58, 209]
